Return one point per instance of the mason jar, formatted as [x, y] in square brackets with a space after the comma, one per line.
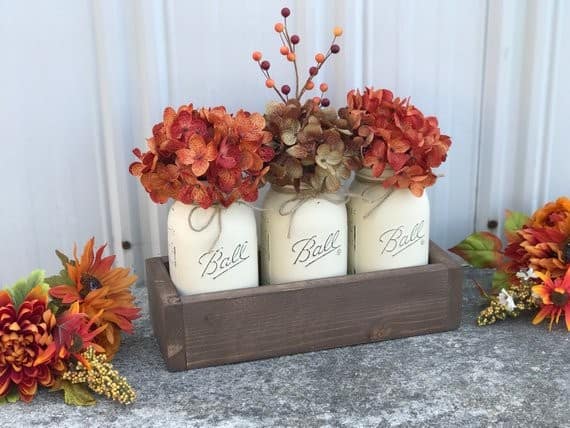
[212, 249]
[388, 228]
[303, 235]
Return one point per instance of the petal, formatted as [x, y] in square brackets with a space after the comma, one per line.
[546, 310]
[199, 167]
[211, 152]
[5, 298]
[185, 156]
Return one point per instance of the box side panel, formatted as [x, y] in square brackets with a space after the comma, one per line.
[456, 276]
[302, 320]
[166, 314]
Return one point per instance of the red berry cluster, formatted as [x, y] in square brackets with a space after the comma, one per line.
[287, 49]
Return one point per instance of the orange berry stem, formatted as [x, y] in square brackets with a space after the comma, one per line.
[319, 65]
[268, 76]
[292, 49]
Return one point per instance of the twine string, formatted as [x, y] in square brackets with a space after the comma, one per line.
[217, 213]
[291, 206]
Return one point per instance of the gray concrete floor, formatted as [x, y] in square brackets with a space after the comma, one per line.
[510, 374]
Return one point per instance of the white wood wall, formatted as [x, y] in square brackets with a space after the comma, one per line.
[82, 82]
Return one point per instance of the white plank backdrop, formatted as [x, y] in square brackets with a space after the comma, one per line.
[82, 82]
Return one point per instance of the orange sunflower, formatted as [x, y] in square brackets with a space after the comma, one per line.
[103, 293]
[554, 297]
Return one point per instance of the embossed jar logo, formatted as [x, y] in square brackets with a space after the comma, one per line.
[308, 250]
[216, 262]
[395, 241]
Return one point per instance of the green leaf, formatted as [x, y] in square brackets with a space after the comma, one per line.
[61, 279]
[75, 394]
[501, 280]
[20, 289]
[12, 397]
[481, 250]
[514, 221]
[62, 257]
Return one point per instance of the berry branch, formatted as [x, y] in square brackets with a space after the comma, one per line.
[288, 49]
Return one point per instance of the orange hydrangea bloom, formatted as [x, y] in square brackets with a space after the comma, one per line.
[390, 132]
[204, 156]
[103, 294]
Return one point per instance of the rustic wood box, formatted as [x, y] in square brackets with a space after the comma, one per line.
[253, 323]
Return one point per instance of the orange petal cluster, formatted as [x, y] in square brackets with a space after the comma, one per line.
[544, 242]
[26, 333]
[554, 298]
[103, 294]
[392, 133]
[205, 156]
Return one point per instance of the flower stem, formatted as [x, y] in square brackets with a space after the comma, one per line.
[292, 49]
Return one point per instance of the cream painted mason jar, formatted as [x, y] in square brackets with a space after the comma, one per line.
[302, 236]
[212, 249]
[388, 228]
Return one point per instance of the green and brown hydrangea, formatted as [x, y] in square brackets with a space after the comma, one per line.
[312, 146]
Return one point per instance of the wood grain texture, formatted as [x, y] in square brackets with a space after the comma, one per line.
[268, 321]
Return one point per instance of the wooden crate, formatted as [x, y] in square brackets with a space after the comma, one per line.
[253, 323]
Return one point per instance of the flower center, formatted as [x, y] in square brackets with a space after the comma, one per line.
[89, 282]
[559, 298]
[15, 350]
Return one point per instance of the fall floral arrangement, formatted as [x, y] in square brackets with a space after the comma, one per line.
[61, 332]
[394, 136]
[533, 269]
[205, 156]
[319, 147]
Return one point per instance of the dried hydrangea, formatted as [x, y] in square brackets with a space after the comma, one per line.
[311, 146]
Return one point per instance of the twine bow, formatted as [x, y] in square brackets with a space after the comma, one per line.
[376, 202]
[291, 206]
[216, 213]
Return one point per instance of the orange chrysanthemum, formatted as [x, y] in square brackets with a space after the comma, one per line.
[103, 293]
[390, 132]
[544, 242]
[555, 299]
[204, 156]
[26, 333]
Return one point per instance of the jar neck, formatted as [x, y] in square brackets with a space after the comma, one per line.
[290, 189]
[365, 175]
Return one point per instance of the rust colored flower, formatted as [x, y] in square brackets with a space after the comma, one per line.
[26, 332]
[204, 156]
[199, 155]
[103, 294]
[543, 244]
[393, 135]
[554, 299]
[553, 214]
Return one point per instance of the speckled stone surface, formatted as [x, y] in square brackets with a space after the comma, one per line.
[510, 374]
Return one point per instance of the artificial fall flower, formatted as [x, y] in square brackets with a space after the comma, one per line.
[554, 298]
[103, 292]
[543, 243]
[391, 132]
[199, 154]
[506, 300]
[26, 332]
[526, 275]
[204, 156]
[553, 214]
